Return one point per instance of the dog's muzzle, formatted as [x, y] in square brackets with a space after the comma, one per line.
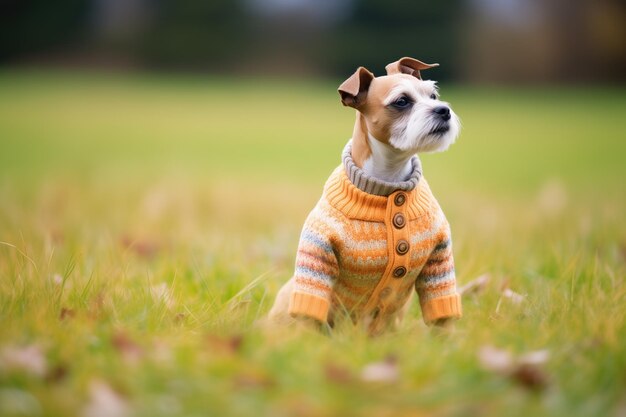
[442, 116]
[443, 112]
[440, 129]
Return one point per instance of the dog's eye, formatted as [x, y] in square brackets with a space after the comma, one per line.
[433, 96]
[402, 103]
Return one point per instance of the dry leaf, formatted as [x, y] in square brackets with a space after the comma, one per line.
[508, 294]
[29, 359]
[131, 352]
[225, 345]
[105, 402]
[495, 360]
[526, 370]
[57, 374]
[253, 380]
[513, 296]
[476, 286]
[531, 376]
[386, 371]
[143, 248]
[66, 313]
[535, 358]
[530, 371]
[338, 374]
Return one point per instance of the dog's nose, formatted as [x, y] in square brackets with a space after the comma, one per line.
[443, 112]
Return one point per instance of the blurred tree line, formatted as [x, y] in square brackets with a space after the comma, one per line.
[474, 40]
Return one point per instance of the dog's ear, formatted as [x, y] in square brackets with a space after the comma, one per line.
[354, 90]
[409, 66]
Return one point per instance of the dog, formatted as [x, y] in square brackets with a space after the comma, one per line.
[377, 235]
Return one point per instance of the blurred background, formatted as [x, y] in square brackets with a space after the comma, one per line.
[231, 100]
[158, 159]
[476, 41]
[152, 103]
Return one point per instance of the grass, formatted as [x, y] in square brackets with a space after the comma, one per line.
[146, 222]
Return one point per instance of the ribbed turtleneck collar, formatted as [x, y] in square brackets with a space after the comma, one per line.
[365, 201]
[377, 186]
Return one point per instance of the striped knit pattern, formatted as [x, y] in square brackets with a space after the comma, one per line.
[348, 256]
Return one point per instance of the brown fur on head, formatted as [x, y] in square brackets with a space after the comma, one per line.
[399, 110]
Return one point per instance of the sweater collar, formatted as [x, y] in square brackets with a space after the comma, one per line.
[376, 186]
[343, 194]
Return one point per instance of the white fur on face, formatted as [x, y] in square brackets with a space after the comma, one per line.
[413, 129]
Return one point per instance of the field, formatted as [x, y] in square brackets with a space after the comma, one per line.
[146, 223]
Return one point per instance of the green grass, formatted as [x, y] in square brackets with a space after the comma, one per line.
[116, 188]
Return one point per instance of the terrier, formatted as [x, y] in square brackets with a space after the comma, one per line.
[377, 235]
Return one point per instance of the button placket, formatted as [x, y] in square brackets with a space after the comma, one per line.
[400, 237]
[398, 252]
[399, 221]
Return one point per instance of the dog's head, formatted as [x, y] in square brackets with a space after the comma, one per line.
[400, 108]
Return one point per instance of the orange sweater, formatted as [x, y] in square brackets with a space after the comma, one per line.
[364, 249]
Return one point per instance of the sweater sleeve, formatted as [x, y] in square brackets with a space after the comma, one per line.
[316, 268]
[436, 283]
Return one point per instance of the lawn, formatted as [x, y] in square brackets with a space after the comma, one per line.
[147, 222]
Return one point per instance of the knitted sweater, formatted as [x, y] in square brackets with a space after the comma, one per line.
[368, 244]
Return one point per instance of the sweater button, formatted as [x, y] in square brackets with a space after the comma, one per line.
[399, 221]
[399, 199]
[402, 247]
[399, 272]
